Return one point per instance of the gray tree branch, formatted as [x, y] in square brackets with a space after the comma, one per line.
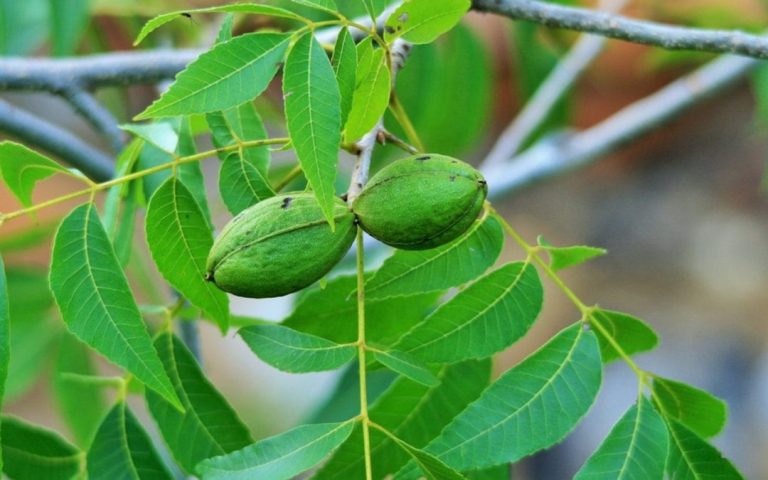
[623, 28]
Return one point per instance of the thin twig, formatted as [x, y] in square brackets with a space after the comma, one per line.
[555, 86]
[623, 28]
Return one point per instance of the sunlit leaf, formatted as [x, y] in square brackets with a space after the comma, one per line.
[160, 134]
[530, 407]
[407, 366]
[243, 177]
[209, 426]
[344, 62]
[482, 319]
[418, 21]
[228, 75]
[408, 272]
[21, 169]
[371, 96]
[630, 333]
[636, 447]
[33, 453]
[179, 239]
[313, 115]
[698, 410]
[251, 8]
[564, 257]
[692, 458]
[96, 303]
[293, 351]
[279, 457]
[122, 449]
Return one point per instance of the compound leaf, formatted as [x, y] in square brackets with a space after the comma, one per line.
[296, 352]
[209, 426]
[31, 452]
[313, 115]
[279, 457]
[180, 239]
[482, 319]
[698, 410]
[228, 75]
[96, 303]
[636, 447]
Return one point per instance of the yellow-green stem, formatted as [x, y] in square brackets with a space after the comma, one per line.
[361, 347]
[97, 187]
[404, 120]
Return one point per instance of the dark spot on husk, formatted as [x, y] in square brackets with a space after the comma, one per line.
[286, 202]
[452, 178]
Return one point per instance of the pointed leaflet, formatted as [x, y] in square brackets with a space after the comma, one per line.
[418, 21]
[414, 413]
[692, 458]
[530, 407]
[408, 272]
[96, 303]
[371, 96]
[331, 313]
[630, 333]
[179, 239]
[31, 452]
[122, 449]
[406, 365]
[564, 257]
[279, 457]
[250, 8]
[312, 111]
[698, 410]
[344, 63]
[208, 427]
[226, 76]
[484, 318]
[243, 176]
[296, 352]
[5, 338]
[21, 168]
[71, 395]
[636, 447]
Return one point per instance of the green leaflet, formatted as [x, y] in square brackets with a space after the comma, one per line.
[698, 410]
[564, 257]
[228, 75]
[21, 169]
[630, 333]
[279, 457]
[374, 7]
[414, 413]
[160, 134]
[313, 116]
[484, 318]
[96, 303]
[122, 450]
[636, 447]
[296, 352]
[33, 453]
[327, 5]
[530, 407]
[331, 312]
[371, 95]
[420, 271]
[180, 239]
[121, 203]
[418, 21]
[243, 176]
[407, 366]
[209, 426]
[251, 8]
[71, 395]
[192, 173]
[5, 338]
[344, 62]
[430, 466]
[692, 458]
[68, 23]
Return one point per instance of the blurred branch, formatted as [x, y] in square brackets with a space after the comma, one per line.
[101, 118]
[62, 143]
[623, 28]
[563, 152]
[555, 86]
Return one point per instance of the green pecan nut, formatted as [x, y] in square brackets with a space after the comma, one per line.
[421, 201]
[279, 246]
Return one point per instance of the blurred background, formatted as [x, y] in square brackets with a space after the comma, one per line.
[683, 211]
